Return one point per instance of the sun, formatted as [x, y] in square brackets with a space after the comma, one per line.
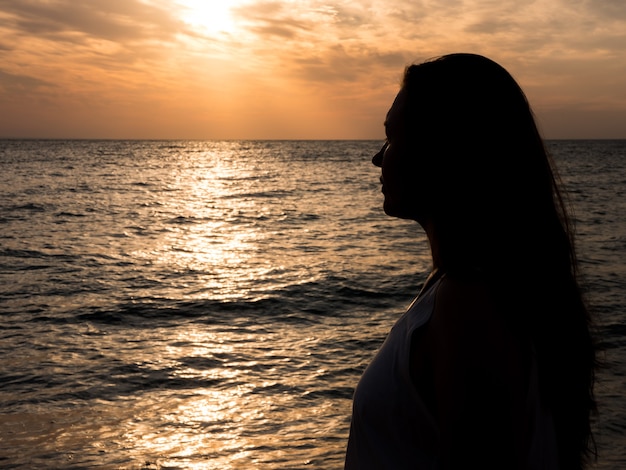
[212, 16]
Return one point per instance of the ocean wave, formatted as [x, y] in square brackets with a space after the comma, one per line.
[257, 325]
[30, 207]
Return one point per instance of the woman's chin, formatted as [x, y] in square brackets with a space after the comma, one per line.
[395, 210]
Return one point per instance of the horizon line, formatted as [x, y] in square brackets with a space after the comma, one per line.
[181, 139]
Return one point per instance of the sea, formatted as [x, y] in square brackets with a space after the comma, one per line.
[212, 304]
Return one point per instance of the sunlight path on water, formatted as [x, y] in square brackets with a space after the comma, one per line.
[211, 305]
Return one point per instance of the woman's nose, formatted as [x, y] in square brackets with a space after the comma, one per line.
[377, 160]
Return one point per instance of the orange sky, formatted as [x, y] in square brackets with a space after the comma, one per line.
[286, 69]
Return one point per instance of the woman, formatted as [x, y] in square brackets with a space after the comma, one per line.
[493, 364]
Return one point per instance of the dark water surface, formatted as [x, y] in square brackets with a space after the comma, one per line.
[211, 305]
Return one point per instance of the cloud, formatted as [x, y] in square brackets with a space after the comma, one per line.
[113, 20]
[13, 83]
[275, 18]
[287, 56]
[90, 48]
[336, 64]
[607, 9]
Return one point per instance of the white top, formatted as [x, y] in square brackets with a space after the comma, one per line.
[392, 428]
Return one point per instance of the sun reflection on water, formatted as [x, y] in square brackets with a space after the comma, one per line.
[210, 239]
[253, 398]
[200, 431]
[206, 351]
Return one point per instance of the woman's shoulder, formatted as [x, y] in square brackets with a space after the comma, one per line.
[466, 296]
[469, 310]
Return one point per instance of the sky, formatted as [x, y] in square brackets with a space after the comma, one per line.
[286, 69]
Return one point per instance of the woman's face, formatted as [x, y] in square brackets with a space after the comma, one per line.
[399, 178]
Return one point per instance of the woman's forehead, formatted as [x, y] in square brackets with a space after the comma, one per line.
[395, 113]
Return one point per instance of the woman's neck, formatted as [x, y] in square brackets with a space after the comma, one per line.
[433, 242]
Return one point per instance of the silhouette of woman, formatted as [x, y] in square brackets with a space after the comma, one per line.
[493, 364]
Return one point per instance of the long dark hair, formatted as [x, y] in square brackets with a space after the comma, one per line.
[492, 193]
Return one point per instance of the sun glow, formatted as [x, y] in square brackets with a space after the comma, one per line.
[212, 16]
